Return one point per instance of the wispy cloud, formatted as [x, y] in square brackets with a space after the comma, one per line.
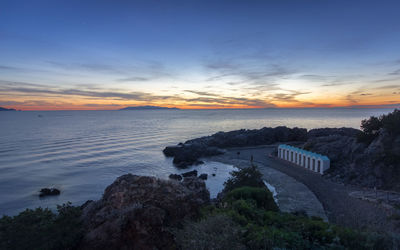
[396, 72]
[393, 86]
[288, 97]
[201, 93]
[205, 99]
[134, 79]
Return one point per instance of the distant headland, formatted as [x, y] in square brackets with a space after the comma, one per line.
[147, 108]
[4, 109]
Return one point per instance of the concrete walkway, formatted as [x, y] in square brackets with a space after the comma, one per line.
[339, 206]
[291, 195]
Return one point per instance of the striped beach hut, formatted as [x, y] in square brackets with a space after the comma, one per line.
[309, 160]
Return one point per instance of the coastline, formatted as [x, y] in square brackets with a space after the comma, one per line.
[334, 199]
[292, 196]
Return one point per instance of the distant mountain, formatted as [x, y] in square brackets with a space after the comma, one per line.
[4, 109]
[147, 108]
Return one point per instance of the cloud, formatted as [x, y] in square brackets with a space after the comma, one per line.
[204, 99]
[92, 67]
[101, 105]
[247, 71]
[4, 67]
[43, 90]
[231, 101]
[394, 86]
[396, 72]
[394, 105]
[134, 79]
[201, 93]
[288, 97]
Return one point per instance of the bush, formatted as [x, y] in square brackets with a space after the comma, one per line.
[370, 127]
[262, 197]
[213, 232]
[42, 229]
[250, 177]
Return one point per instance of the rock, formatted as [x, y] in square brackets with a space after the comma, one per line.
[190, 174]
[203, 176]
[49, 192]
[188, 153]
[356, 163]
[175, 177]
[171, 150]
[136, 212]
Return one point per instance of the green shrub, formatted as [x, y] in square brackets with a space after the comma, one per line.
[213, 232]
[250, 177]
[371, 126]
[42, 229]
[262, 197]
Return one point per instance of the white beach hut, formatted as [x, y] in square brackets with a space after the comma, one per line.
[309, 160]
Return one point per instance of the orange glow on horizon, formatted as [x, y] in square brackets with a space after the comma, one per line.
[188, 107]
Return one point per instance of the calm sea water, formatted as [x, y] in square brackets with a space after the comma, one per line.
[82, 152]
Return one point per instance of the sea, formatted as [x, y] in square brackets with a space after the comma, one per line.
[82, 152]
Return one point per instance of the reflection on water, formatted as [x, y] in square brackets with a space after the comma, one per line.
[82, 152]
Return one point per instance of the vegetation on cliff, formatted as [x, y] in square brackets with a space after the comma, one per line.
[42, 229]
[139, 212]
[246, 217]
[372, 126]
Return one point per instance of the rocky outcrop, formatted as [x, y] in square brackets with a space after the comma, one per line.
[192, 173]
[188, 153]
[371, 165]
[136, 212]
[177, 177]
[203, 176]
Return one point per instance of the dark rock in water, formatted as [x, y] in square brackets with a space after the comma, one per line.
[203, 176]
[135, 212]
[188, 154]
[190, 174]
[213, 174]
[175, 177]
[49, 192]
[171, 150]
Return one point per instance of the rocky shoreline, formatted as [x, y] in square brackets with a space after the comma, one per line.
[352, 161]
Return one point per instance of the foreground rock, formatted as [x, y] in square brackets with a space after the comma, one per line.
[136, 212]
[177, 177]
[203, 176]
[192, 173]
[188, 153]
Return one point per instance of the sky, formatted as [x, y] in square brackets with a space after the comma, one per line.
[83, 55]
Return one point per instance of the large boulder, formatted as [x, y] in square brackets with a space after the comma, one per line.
[189, 153]
[136, 212]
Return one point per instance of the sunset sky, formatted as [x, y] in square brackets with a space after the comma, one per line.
[199, 54]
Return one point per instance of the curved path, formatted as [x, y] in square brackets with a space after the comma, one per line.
[340, 208]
